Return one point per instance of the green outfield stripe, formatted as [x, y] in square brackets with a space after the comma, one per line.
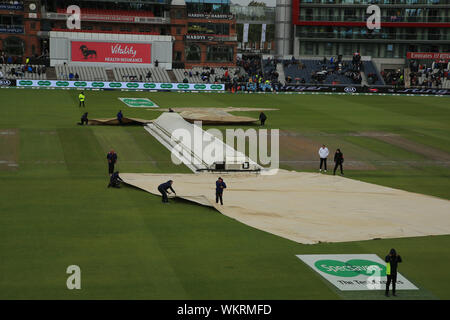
[82, 152]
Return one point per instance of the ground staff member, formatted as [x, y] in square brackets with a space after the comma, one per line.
[163, 187]
[81, 97]
[392, 261]
[262, 118]
[338, 160]
[119, 116]
[84, 118]
[112, 159]
[220, 185]
[323, 154]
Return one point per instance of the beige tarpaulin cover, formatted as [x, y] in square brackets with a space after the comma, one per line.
[115, 122]
[213, 116]
[216, 115]
[309, 207]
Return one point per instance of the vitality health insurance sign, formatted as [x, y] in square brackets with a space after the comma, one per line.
[354, 271]
[120, 85]
[111, 52]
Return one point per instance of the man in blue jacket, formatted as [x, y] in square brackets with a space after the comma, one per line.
[120, 116]
[163, 187]
[220, 185]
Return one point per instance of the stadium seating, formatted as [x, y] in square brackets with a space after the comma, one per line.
[85, 73]
[38, 72]
[306, 68]
[369, 68]
[182, 74]
[111, 12]
[140, 74]
[108, 32]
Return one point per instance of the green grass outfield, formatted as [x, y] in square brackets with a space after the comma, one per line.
[56, 211]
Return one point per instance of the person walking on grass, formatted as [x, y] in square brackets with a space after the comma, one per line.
[323, 154]
[163, 189]
[81, 98]
[120, 116]
[262, 118]
[392, 261]
[112, 159]
[338, 160]
[220, 185]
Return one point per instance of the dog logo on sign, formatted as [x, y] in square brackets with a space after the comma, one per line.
[87, 53]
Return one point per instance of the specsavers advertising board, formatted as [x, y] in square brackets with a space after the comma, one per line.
[354, 271]
[120, 85]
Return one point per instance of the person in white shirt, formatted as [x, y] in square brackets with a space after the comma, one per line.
[323, 154]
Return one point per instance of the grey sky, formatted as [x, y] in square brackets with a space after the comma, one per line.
[270, 3]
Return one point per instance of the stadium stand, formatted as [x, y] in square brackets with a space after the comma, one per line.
[372, 74]
[106, 32]
[188, 75]
[19, 71]
[110, 12]
[82, 73]
[429, 75]
[141, 74]
[318, 72]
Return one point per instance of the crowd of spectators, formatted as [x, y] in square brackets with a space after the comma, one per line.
[18, 71]
[393, 77]
[428, 76]
[337, 66]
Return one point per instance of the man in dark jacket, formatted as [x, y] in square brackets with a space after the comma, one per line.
[338, 160]
[120, 116]
[163, 187]
[84, 118]
[392, 261]
[112, 159]
[115, 180]
[262, 118]
[220, 185]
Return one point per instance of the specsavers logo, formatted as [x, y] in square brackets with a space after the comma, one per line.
[138, 102]
[350, 268]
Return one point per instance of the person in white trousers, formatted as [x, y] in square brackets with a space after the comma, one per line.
[323, 154]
